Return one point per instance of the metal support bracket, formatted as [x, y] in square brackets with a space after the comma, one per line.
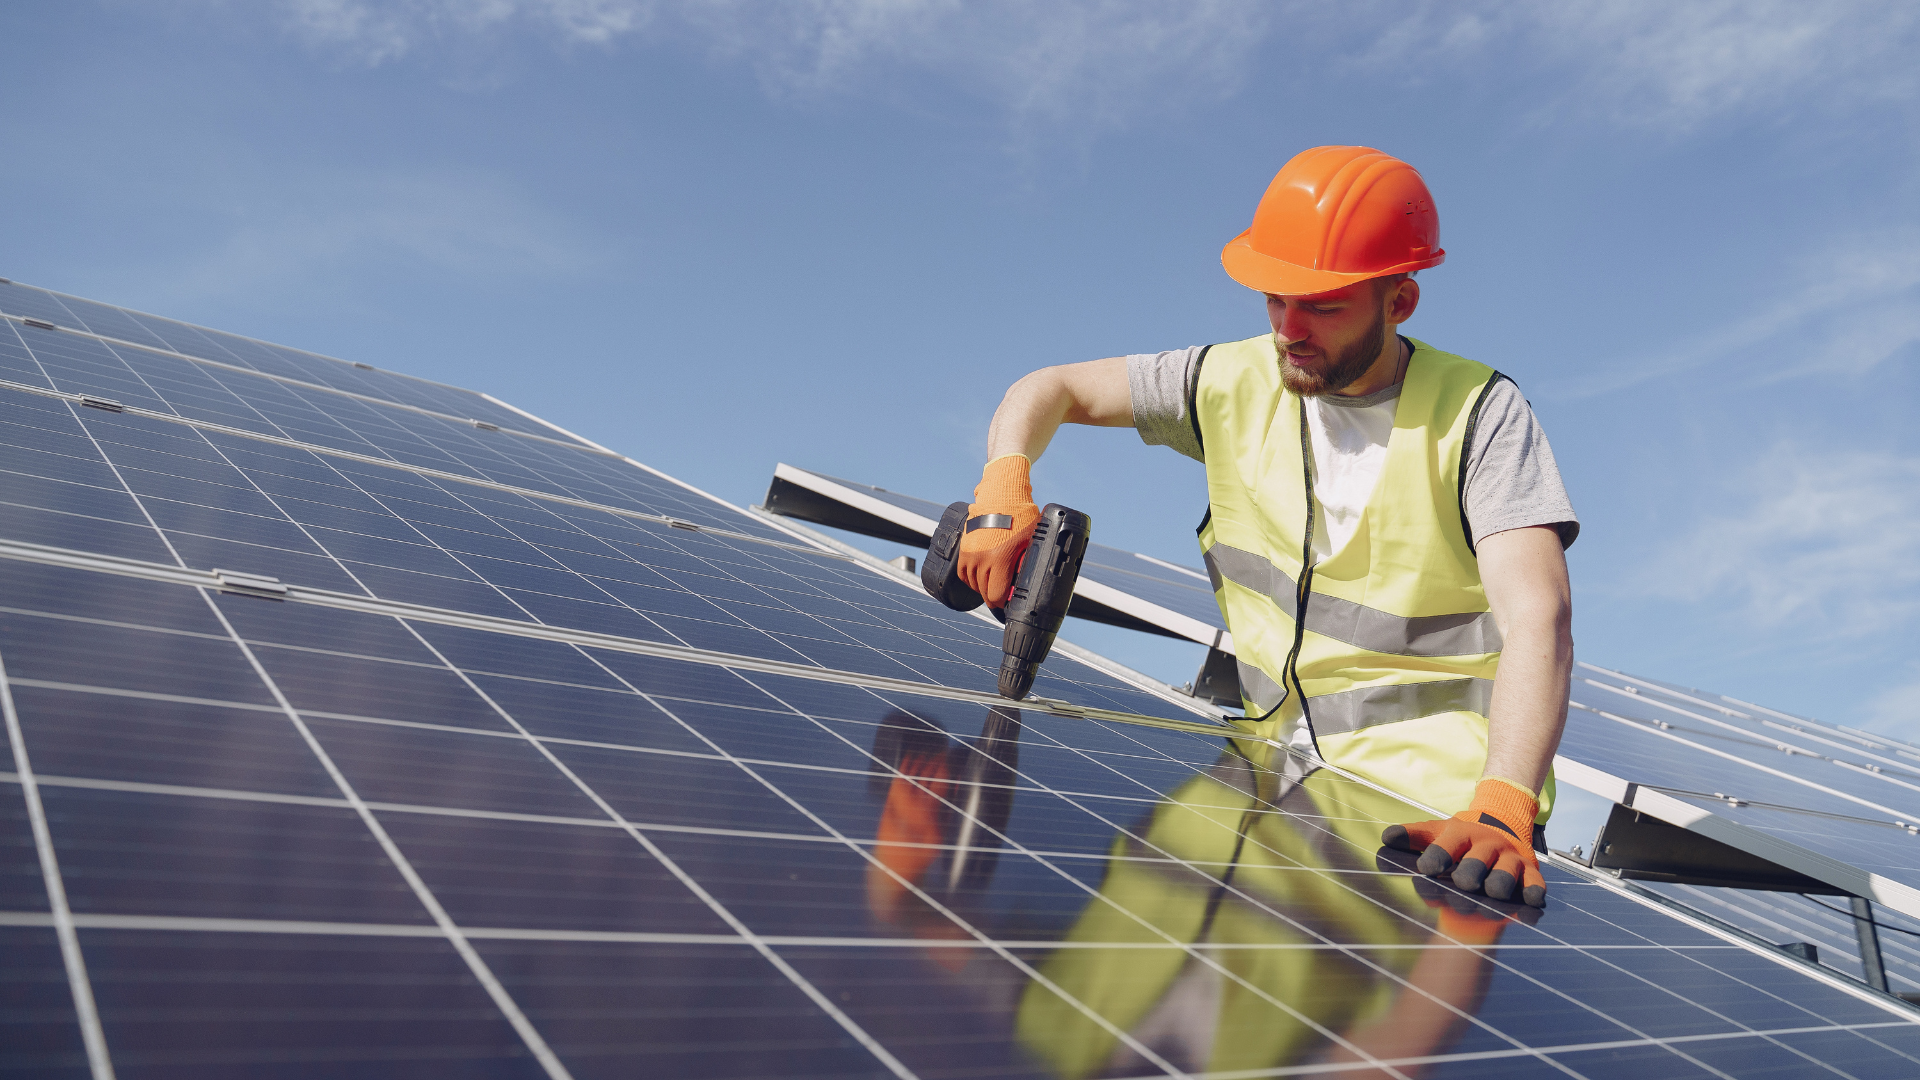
[1871, 964]
[1641, 847]
[1218, 680]
[244, 584]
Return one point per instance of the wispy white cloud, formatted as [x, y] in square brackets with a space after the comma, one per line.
[1845, 309]
[374, 32]
[1826, 538]
[1636, 63]
[1662, 65]
[1094, 62]
[1084, 62]
[349, 223]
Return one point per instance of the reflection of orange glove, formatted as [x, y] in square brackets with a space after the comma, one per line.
[1487, 844]
[991, 550]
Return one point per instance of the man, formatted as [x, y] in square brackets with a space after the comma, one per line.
[1386, 526]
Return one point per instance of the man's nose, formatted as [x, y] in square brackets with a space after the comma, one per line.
[1291, 325]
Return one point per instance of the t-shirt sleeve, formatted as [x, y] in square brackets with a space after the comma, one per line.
[1512, 480]
[1161, 385]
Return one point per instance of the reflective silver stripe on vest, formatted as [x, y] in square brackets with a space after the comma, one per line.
[1371, 706]
[1467, 634]
[1259, 687]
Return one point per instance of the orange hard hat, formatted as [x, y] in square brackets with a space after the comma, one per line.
[1333, 216]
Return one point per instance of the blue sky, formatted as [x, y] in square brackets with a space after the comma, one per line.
[716, 235]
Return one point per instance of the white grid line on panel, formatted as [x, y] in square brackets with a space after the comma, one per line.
[46, 780]
[88, 1015]
[1152, 688]
[746, 933]
[1861, 740]
[1226, 886]
[1758, 742]
[63, 297]
[1017, 846]
[422, 470]
[372, 605]
[321, 928]
[288, 380]
[984, 939]
[151, 695]
[1748, 946]
[536, 1044]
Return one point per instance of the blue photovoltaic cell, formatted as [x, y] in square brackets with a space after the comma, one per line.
[76, 364]
[1796, 781]
[222, 348]
[302, 840]
[1823, 921]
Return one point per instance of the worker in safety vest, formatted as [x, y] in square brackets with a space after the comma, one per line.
[1386, 526]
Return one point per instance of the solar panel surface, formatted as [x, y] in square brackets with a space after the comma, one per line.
[498, 780]
[1830, 803]
[1823, 921]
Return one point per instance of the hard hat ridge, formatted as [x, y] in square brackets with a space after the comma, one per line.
[1335, 215]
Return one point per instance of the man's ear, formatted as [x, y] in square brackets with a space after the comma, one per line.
[1401, 303]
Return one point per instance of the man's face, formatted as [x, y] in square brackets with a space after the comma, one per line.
[1327, 340]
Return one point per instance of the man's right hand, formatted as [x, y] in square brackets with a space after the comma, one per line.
[991, 549]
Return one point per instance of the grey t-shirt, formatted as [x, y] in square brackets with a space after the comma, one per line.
[1512, 481]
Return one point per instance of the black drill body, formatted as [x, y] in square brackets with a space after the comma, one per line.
[1041, 592]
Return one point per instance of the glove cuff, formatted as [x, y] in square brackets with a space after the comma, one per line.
[1005, 484]
[1506, 802]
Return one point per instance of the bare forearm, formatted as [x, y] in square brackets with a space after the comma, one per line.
[1525, 575]
[1529, 703]
[1034, 408]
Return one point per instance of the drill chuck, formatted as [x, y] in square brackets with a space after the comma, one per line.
[1041, 594]
[1041, 591]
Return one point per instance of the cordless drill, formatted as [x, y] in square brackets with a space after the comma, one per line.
[1041, 591]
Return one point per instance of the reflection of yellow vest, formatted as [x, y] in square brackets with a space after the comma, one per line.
[1297, 883]
[1393, 662]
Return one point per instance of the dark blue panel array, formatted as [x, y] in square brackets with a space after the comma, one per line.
[223, 348]
[1796, 780]
[1825, 922]
[304, 841]
[76, 364]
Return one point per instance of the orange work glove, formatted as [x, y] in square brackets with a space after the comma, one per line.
[1489, 844]
[991, 549]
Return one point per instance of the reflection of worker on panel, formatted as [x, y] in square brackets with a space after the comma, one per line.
[1385, 524]
[1270, 865]
[941, 820]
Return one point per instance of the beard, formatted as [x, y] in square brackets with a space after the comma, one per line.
[1349, 364]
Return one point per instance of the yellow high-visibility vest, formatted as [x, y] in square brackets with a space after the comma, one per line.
[1387, 649]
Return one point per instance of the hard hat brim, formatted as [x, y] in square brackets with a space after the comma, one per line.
[1266, 274]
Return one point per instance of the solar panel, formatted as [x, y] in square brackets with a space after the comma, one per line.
[1834, 805]
[334, 762]
[1825, 922]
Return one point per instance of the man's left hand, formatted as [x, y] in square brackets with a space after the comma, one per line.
[1487, 846]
